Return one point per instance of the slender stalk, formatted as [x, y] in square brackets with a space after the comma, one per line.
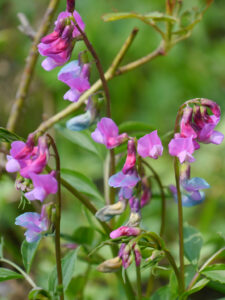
[30, 65]
[58, 217]
[21, 271]
[208, 262]
[180, 223]
[163, 196]
[150, 285]
[139, 291]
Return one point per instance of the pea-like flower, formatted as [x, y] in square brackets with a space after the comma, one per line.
[183, 148]
[58, 45]
[43, 186]
[131, 157]
[35, 224]
[107, 133]
[76, 76]
[128, 180]
[150, 145]
[125, 231]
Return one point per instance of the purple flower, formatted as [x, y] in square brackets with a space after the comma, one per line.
[125, 231]
[186, 125]
[191, 191]
[107, 133]
[34, 223]
[137, 254]
[124, 180]
[183, 148]
[125, 193]
[131, 157]
[58, 45]
[43, 186]
[76, 76]
[150, 145]
[134, 204]
[146, 192]
[125, 255]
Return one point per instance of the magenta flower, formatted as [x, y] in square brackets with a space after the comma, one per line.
[125, 231]
[76, 76]
[183, 148]
[146, 192]
[122, 180]
[107, 133]
[125, 255]
[186, 125]
[150, 145]
[134, 204]
[137, 254]
[34, 223]
[131, 157]
[58, 45]
[43, 186]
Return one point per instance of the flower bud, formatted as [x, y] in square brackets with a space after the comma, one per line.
[110, 265]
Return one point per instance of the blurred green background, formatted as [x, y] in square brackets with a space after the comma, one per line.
[151, 94]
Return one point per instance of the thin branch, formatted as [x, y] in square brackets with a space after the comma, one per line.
[30, 65]
[25, 26]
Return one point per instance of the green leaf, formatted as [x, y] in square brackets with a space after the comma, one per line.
[83, 235]
[82, 139]
[82, 183]
[68, 265]
[76, 286]
[6, 274]
[7, 136]
[28, 251]
[152, 16]
[215, 272]
[132, 126]
[197, 287]
[39, 294]
[192, 244]
[162, 293]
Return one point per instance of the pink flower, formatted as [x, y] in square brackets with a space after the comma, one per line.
[58, 45]
[131, 157]
[107, 133]
[76, 76]
[35, 224]
[186, 125]
[43, 186]
[150, 145]
[125, 231]
[183, 148]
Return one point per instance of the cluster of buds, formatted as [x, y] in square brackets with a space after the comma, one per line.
[29, 161]
[196, 126]
[134, 188]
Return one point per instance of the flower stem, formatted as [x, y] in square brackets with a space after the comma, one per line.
[30, 65]
[163, 197]
[180, 223]
[138, 274]
[25, 275]
[58, 217]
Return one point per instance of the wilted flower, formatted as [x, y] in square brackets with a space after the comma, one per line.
[150, 145]
[107, 212]
[76, 75]
[58, 45]
[110, 265]
[34, 223]
[107, 133]
[43, 186]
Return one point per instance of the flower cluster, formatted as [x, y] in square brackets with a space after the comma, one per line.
[197, 125]
[134, 188]
[29, 161]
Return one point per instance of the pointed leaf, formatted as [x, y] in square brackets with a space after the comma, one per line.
[215, 272]
[82, 183]
[6, 274]
[68, 265]
[39, 294]
[28, 251]
[7, 136]
[197, 287]
[192, 244]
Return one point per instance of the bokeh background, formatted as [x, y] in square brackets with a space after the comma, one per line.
[151, 94]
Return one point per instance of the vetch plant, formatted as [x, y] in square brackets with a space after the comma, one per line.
[130, 180]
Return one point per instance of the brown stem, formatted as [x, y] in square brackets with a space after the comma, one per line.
[30, 65]
[58, 216]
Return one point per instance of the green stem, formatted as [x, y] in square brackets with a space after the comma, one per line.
[139, 291]
[150, 285]
[180, 223]
[30, 65]
[25, 275]
[163, 197]
[208, 262]
[58, 217]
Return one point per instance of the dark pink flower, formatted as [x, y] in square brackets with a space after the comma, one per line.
[58, 45]
[125, 231]
[131, 157]
[183, 148]
[107, 133]
[43, 186]
[76, 76]
[146, 192]
[150, 145]
[186, 125]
